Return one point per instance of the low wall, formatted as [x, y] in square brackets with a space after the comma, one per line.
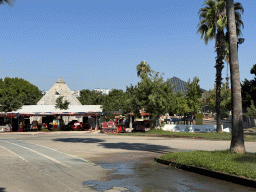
[192, 128]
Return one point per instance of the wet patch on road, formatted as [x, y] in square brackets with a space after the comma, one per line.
[139, 172]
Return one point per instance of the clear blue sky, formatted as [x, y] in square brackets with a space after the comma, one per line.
[98, 43]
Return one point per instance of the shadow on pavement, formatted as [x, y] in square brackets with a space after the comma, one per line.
[120, 145]
[2, 189]
[79, 140]
[138, 147]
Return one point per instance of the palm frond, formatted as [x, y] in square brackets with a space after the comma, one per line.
[211, 13]
[238, 7]
[9, 2]
[222, 23]
[210, 3]
[203, 21]
[238, 19]
[238, 32]
[202, 29]
[209, 35]
[221, 5]
[202, 13]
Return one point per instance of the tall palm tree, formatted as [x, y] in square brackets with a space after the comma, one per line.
[213, 22]
[9, 2]
[142, 69]
[227, 61]
[237, 141]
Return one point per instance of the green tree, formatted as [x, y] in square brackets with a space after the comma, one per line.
[253, 70]
[15, 92]
[143, 69]
[209, 99]
[154, 95]
[88, 97]
[251, 111]
[129, 106]
[60, 104]
[237, 141]
[213, 22]
[181, 104]
[129, 103]
[193, 95]
[249, 90]
[227, 61]
[115, 101]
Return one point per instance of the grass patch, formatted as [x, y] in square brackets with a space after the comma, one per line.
[243, 165]
[251, 136]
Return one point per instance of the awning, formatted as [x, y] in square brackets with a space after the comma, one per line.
[45, 110]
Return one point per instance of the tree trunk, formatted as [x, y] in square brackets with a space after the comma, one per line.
[158, 122]
[237, 141]
[220, 42]
[130, 122]
[227, 79]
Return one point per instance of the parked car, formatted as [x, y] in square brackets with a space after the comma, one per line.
[75, 125]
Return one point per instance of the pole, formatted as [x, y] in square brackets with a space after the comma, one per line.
[18, 122]
[96, 122]
[100, 122]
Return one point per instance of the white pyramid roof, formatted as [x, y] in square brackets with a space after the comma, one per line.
[58, 89]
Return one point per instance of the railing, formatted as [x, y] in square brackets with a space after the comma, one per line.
[178, 121]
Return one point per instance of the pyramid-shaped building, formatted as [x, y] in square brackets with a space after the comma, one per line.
[57, 90]
[180, 84]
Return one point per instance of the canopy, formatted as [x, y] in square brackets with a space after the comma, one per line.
[43, 110]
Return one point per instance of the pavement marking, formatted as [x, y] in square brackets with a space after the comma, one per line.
[14, 153]
[71, 189]
[56, 151]
[52, 159]
[39, 169]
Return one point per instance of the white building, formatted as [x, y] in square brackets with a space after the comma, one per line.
[104, 91]
[46, 105]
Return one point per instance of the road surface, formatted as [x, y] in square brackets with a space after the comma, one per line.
[83, 161]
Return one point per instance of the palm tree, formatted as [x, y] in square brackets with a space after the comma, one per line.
[237, 141]
[213, 22]
[9, 2]
[227, 61]
[142, 69]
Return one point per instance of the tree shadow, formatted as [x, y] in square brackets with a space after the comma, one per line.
[249, 133]
[121, 145]
[79, 140]
[2, 189]
[247, 157]
[138, 147]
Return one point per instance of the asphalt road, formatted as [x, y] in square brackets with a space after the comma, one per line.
[82, 161]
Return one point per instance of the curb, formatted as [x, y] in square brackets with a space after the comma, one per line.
[43, 132]
[214, 174]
